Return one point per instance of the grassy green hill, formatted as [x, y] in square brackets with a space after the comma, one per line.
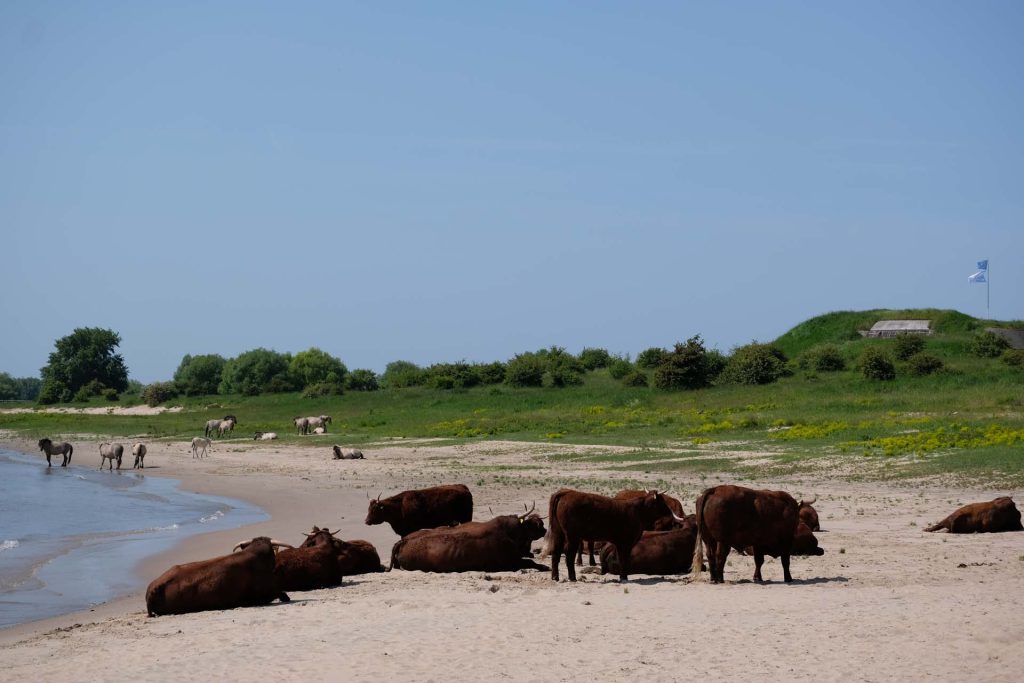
[965, 421]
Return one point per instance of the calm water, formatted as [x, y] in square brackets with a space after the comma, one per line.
[70, 538]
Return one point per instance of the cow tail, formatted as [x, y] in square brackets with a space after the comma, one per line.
[394, 555]
[944, 524]
[698, 548]
[549, 538]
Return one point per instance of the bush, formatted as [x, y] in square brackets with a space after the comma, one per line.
[924, 363]
[988, 345]
[93, 388]
[686, 367]
[525, 370]
[908, 345]
[1014, 358]
[159, 392]
[636, 378]
[459, 375]
[320, 389]
[619, 368]
[563, 368]
[827, 358]
[401, 373]
[135, 388]
[362, 380]
[876, 364]
[199, 375]
[258, 371]
[492, 373]
[716, 361]
[314, 366]
[592, 359]
[651, 358]
[755, 364]
[110, 394]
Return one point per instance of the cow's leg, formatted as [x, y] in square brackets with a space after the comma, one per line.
[570, 567]
[590, 547]
[721, 554]
[624, 552]
[557, 546]
[758, 561]
[785, 569]
[577, 554]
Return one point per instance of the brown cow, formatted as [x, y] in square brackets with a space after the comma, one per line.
[737, 517]
[657, 552]
[995, 515]
[428, 508]
[354, 557]
[666, 523]
[241, 579]
[808, 515]
[574, 516]
[804, 542]
[309, 567]
[492, 546]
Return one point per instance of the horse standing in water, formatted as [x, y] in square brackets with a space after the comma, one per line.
[65, 449]
[111, 452]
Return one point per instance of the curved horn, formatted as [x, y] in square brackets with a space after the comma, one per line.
[676, 517]
[279, 544]
[379, 495]
[240, 544]
[334, 533]
[812, 501]
[527, 513]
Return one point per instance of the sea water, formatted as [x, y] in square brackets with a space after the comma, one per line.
[71, 538]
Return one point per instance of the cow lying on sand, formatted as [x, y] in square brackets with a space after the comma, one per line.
[353, 557]
[493, 546]
[665, 523]
[241, 579]
[657, 552]
[995, 515]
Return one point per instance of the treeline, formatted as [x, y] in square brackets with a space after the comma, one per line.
[19, 388]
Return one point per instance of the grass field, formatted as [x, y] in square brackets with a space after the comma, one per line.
[966, 421]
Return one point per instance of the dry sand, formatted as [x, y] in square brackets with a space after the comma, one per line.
[887, 601]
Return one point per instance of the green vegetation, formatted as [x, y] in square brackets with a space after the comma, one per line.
[19, 388]
[963, 419]
[84, 364]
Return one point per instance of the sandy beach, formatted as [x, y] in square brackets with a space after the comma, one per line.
[886, 601]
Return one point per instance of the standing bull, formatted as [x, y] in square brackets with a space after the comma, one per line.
[737, 517]
[574, 516]
[241, 579]
[427, 508]
[995, 515]
[492, 546]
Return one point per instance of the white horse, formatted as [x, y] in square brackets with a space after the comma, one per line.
[111, 452]
[319, 421]
[264, 436]
[319, 430]
[347, 453]
[199, 446]
[139, 451]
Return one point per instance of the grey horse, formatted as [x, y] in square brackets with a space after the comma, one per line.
[220, 426]
[139, 451]
[301, 424]
[347, 453]
[50, 448]
[199, 446]
[111, 452]
[318, 421]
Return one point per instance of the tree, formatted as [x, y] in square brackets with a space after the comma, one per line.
[86, 355]
[651, 358]
[525, 370]
[314, 366]
[592, 359]
[257, 371]
[755, 364]
[685, 367]
[402, 373]
[199, 375]
[362, 380]
[9, 389]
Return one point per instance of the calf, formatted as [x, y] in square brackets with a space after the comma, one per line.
[996, 515]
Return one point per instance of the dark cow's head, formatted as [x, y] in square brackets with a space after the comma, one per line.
[809, 515]
[260, 544]
[804, 542]
[654, 507]
[381, 511]
[319, 537]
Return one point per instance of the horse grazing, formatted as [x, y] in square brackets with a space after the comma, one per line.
[64, 448]
[199, 446]
[139, 451]
[111, 452]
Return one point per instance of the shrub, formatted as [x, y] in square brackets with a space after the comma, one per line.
[525, 370]
[82, 396]
[651, 358]
[907, 345]
[876, 364]
[716, 363]
[635, 378]
[459, 375]
[401, 373]
[257, 371]
[1014, 358]
[988, 345]
[924, 363]
[159, 392]
[362, 380]
[592, 359]
[827, 358]
[110, 394]
[320, 389]
[685, 367]
[619, 368]
[314, 366]
[492, 373]
[199, 375]
[135, 388]
[755, 364]
[563, 368]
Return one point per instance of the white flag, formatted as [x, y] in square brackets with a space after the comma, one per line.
[978, 277]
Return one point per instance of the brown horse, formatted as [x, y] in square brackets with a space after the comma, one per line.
[65, 449]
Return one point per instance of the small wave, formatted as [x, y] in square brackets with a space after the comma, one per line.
[216, 515]
[7, 545]
[171, 527]
[79, 476]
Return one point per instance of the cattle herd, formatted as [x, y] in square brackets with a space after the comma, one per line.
[636, 531]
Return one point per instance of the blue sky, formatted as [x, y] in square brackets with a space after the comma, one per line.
[439, 181]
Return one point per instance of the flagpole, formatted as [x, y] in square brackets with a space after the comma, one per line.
[988, 298]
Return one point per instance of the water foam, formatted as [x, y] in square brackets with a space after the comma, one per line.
[8, 545]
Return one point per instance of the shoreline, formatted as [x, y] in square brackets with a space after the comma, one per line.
[290, 512]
